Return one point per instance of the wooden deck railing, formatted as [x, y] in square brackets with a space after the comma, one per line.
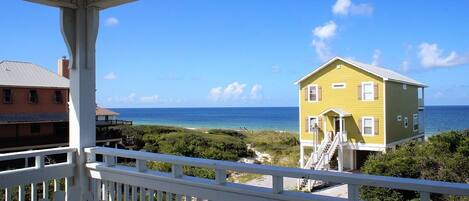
[117, 181]
[37, 178]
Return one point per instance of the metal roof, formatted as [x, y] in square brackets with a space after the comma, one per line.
[25, 74]
[384, 73]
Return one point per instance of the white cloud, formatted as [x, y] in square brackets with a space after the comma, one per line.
[405, 66]
[149, 99]
[346, 7]
[326, 31]
[341, 7]
[256, 92]
[431, 56]
[110, 76]
[276, 69]
[235, 91]
[376, 57]
[111, 21]
[216, 93]
[322, 35]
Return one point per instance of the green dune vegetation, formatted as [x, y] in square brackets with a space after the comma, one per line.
[218, 144]
[443, 157]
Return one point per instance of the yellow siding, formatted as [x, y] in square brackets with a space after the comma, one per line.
[346, 99]
[400, 102]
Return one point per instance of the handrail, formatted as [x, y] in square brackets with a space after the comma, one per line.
[34, 153]
[419, 185]
[318, 153]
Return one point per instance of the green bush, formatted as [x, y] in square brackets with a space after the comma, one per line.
[443, 157]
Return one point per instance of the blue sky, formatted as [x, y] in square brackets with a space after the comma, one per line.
[249, 53]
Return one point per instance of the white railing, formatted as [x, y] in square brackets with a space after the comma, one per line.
[43, 181]
[112, 180]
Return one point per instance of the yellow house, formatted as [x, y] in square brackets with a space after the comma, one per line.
[353, 109]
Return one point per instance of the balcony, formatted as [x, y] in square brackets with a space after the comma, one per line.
[110, 180]
[113, 122]
[421, 104]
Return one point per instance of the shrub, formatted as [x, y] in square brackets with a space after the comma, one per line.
[443, 157]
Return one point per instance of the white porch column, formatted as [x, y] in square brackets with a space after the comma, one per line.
[80, 28]
[341, 150]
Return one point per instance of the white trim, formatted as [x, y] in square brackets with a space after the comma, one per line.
[299, 112]
[372, 90]
[343, 123]
[406, 121]
[365, 146]
[415, 120]
[399, 118]
[317, 93]
[309, 121]
[357, 66]
[404, 86]
[384, 113]
[372, 126]
[344, 85]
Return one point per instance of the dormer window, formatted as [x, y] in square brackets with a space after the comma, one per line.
[33, 97]
[7, 97]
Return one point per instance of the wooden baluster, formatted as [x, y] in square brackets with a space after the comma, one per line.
[99, 190]
[33, 192]
[159, 196]
[8, 193]
[105, 191]
[169, 196]
[119, 191]
[178, 197]
[126, 192]
[151, 195]
[220, 176]
[45, 190]
[142, 194]
[111, 191]
[188, 198]
[134, 193]
[56, 185]
[277, 184]
[21, 193]
[353, 194]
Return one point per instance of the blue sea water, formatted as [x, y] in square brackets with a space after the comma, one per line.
[437, 118]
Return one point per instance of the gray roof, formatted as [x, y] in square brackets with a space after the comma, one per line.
[24, 74]
[384, 73]
[41, 117]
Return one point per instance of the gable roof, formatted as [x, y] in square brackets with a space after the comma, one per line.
[384, 73]
[25, 74]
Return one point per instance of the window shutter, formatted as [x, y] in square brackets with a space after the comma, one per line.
[376, 126]
[359, 91]
[319, 93]
[360, 126]
[306, 125]
[306, 93]
[376, 92]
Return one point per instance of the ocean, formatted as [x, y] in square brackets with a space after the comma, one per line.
[437, 118]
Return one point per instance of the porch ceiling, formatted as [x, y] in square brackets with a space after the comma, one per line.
[339, 111]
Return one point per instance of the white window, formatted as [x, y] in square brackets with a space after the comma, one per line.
[367, 91]
[313, 92]
[399, 117]
[340, 85]
[313, 123]
[415, 122]
[406, 122]
[368, 127]
[404, 86]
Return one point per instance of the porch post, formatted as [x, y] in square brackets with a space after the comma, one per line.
[79, 28]
[341, 150]
[302, 156]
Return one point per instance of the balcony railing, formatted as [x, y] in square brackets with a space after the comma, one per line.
[113, 122]
[110, 180]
